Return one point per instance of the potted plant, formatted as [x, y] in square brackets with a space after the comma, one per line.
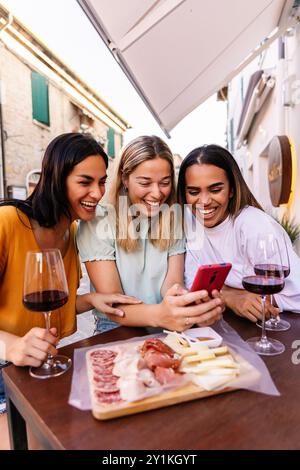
[290, 226]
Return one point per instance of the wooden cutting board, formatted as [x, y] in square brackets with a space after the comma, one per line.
[186, 393]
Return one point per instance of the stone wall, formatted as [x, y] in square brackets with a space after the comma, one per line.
[26, 139]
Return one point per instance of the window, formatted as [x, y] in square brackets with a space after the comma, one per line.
[32, 179]
[40, 98]
[111, 142]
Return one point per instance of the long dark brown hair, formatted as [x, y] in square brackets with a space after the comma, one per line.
[220, 157]
[49, 201]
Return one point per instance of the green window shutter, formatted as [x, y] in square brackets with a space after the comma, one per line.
[111, 142]
[40, 98]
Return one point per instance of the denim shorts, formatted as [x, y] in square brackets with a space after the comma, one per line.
[1, 385]
[2, 395]
[104, 324]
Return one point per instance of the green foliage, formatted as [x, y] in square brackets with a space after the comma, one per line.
[290, 226]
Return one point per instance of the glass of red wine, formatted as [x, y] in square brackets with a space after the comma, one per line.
[275, 323]
[263, 275]
[46, 289]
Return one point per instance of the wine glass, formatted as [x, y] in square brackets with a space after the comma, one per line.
[46, 289]
[263, 275]
[275, 323]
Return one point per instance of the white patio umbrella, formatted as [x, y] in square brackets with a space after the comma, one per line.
[177, 53]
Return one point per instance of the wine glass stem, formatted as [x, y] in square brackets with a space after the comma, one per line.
[274, 319]
[47, 315]
[263, 320]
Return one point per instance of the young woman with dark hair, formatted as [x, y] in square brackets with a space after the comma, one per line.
[71, 185]
[221, 215]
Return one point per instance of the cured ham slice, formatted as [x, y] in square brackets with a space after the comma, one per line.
[158, 354]
[148, 378]
[165, 375]
[155, 359]
[157, 345]
[161, 360]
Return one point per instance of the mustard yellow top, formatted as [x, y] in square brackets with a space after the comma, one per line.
[16, 238]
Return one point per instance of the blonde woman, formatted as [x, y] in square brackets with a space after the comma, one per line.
[137, 248]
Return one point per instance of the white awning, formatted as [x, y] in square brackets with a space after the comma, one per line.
[177, 53]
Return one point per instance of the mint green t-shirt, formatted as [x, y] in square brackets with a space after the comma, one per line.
[142, 272]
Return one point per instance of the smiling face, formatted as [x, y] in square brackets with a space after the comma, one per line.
[207, 189]
[85, 187]
[150, 185]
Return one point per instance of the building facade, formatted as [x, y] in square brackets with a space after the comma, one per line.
[263, 126]
[40, 99]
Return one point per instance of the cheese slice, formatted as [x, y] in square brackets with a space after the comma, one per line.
[173, 343]
[210, 382]
[202, 367]
[187, 352]
[223, 361]
[197, 348]
[224, 371]
[220, 351]
[202, 355]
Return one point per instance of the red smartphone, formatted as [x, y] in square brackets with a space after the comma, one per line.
[210, 277]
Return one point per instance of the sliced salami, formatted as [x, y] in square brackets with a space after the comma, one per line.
[103, 354]
[105, 379]
[102, 371]
[107, 387]
[107, 398]
[103, 362]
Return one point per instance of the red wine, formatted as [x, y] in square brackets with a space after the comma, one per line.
[263, 285]
[271, 270]
[45, 301]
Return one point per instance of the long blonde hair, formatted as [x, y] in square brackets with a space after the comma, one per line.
[136, 152]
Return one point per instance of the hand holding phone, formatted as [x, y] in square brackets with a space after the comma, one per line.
[210, 277]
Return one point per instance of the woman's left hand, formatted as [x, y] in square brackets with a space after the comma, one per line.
[105, 303]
